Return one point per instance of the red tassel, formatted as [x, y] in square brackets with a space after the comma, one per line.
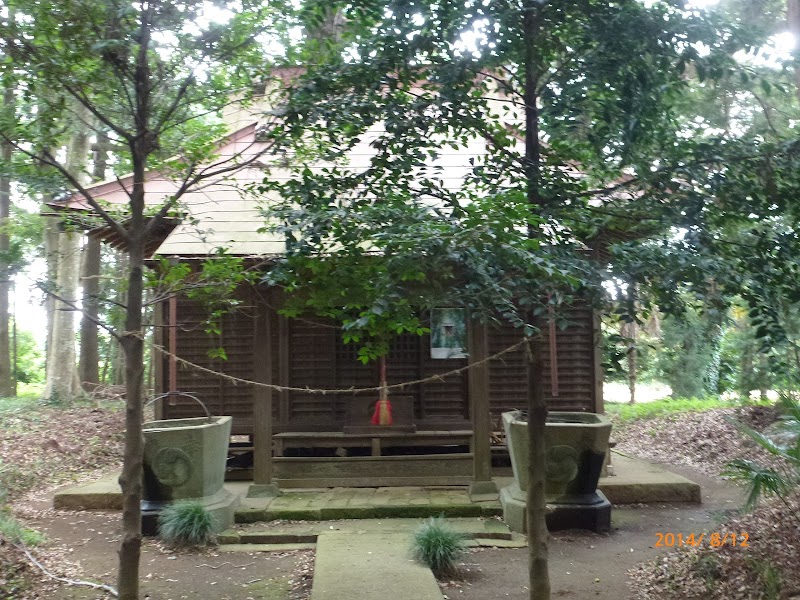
[383, 413]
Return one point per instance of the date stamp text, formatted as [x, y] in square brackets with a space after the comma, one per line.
[695, 540]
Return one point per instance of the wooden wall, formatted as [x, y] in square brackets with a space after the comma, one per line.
[319, 359]
[223, 397]
[310, 353]
[575, 358]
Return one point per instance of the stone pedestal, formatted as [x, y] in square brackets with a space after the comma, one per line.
[483, 491]
[595, 517]
[263, 490]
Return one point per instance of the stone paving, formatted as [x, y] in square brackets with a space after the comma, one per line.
[636, 482]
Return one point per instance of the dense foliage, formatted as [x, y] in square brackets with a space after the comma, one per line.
[507, 156]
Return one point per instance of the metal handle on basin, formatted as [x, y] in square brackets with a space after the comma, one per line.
[186, 394]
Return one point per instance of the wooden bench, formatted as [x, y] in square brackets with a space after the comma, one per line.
[377, 440]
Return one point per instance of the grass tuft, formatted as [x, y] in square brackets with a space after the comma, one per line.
[186, 524]
[437, 545]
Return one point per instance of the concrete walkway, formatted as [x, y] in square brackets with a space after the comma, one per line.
[370, 566]
[303, 534]
[364, 558]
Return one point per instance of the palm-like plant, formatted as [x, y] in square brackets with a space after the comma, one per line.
[779, 481]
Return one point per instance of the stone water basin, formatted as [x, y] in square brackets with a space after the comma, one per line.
[576, 446]
[185, 459]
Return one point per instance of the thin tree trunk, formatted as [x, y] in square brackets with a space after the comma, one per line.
[793, 20]
[90, 349]
[763, 378]
[746, 374]
[133, 336]
[51, 238]
[7, 380]
[538, 536]
[631, 356]
[132, 470]
[117, 355]
[100, 156]
[89, 368]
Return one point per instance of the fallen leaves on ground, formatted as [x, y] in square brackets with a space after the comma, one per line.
[767, 566]
[44, 446]
[705, 441]
[303, 575]
[15, 572]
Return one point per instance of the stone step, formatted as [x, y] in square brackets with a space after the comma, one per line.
[264, 547]
[485, 531]
[274, 513]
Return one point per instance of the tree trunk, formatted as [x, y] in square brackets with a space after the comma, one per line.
[7, 379]
[142, 146]
[89, 369]
[61, 374]
[62, 383]
[116, 354]
[132, 470]
[51, 238]
[90, 349]
[746, 374]
[538, 536]
[631, 335]
[100, 157]
[793, 20]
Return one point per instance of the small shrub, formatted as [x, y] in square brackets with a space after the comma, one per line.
[13, 531]
[708, 569]
[438, 545]
[769, 577]
[186, 524]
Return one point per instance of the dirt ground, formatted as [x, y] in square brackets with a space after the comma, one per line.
[582, 565]
[88, 541]
[585, 565]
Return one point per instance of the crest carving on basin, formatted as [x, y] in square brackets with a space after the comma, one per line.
[562, 464]
[172, 466]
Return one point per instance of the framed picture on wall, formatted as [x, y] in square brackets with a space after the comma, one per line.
[448, 333]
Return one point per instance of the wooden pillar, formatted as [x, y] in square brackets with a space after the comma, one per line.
[173, 343]
[263, 485]
[482, 487]
[597, 349]
[283, 368]
[158, 359]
